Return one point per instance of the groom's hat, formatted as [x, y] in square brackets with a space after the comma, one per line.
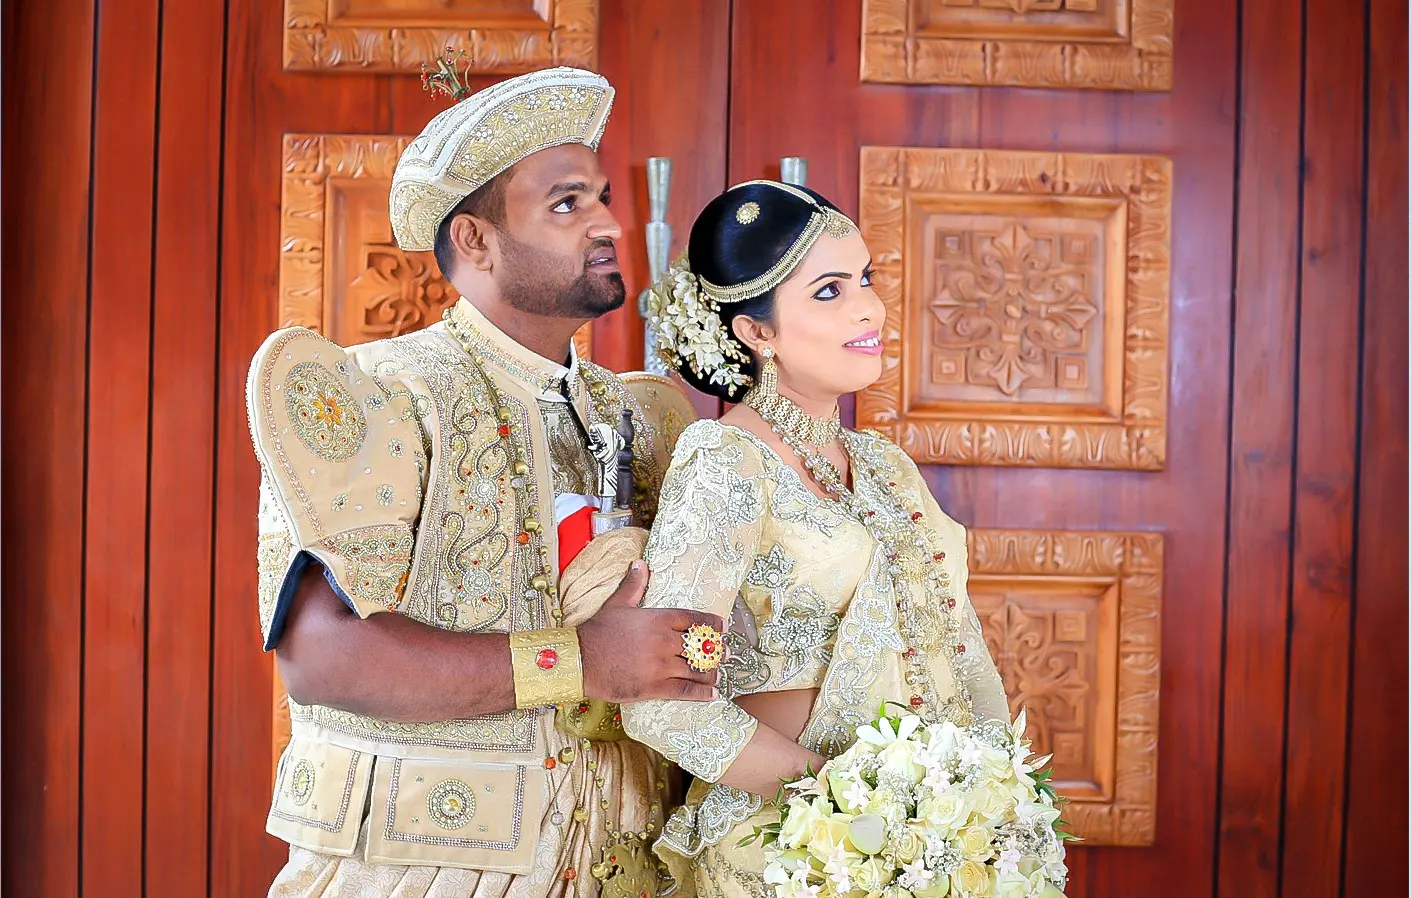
[486, 133]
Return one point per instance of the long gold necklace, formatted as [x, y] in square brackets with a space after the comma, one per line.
[625, 865]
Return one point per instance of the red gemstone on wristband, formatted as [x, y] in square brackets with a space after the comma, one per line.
[546, 659]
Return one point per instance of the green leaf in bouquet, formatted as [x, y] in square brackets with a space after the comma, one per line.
[1064, 835]
[766, 835]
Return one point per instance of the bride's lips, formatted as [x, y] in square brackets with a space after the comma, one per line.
[869, 343]
[602, 260]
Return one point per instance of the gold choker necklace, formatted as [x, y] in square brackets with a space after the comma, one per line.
[788, 419]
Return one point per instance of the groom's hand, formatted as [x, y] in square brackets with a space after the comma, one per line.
[632, 654]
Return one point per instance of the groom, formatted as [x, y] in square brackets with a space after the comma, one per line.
[448, 720]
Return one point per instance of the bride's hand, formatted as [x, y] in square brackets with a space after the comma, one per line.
[633, 654]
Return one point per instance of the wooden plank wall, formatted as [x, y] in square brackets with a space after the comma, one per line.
[140, 223]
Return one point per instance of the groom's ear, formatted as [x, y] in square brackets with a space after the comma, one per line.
[471, 237]
[752, 333]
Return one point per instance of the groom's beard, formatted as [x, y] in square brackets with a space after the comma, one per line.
[545, 283]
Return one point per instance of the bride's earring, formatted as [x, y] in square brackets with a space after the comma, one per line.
[768, 374]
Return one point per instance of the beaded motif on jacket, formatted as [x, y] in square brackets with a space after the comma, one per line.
[469, 573]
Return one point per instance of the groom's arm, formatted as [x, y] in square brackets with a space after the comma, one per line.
[395, 668]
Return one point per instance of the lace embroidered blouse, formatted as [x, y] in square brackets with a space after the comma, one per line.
[805, 588]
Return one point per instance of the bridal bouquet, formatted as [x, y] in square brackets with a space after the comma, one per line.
[922, 810]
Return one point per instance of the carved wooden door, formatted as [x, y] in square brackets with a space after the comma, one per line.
[1023, 241]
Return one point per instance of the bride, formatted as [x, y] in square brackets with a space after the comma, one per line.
[842, 581]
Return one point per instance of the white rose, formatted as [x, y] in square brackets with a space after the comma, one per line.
[799, 817]
[908, 845]
[996, 763]
[872, 874]
[973, 880]
[826, 834]
[944, 738]
[976, 843]
[1013, 885]
[884, 803]
[901, 758]
[992, 801]
[947, 811]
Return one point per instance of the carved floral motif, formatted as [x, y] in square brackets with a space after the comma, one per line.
[1027, 304]
[1073, 620]
[1095, 44]
[369, 36]
[1013, 303]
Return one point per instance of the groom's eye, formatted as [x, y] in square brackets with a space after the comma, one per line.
[566, 205]
[830, 290]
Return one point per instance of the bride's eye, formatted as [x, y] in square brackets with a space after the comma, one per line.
[828, 291]
[866, 278]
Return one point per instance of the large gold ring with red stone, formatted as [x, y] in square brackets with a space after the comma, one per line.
[703, 647]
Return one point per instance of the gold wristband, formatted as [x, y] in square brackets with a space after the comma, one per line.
[548, 667]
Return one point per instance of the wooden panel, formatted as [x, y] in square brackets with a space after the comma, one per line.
[1102, 44]
[1073, 620]
[340, 271]
[187, 297]
[47, 120]
[1260, 453]
[1028, 298]
[1375, 860]
[115, 599]
[1325, 483]
[504, 37]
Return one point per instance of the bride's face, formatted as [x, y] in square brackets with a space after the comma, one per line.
[827, 327]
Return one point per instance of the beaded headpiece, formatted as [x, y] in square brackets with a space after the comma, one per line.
[684, 308]
[484, 134]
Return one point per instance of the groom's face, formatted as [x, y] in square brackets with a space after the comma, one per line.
[555, 253]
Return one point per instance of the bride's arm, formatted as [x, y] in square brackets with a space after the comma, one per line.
[709, 521]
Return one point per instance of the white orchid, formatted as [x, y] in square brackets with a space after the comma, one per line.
[838, 867]
[1008, 861]
[857, 794]
[882, 734]
[915, 876]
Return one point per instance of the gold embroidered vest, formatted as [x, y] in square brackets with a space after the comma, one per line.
[385, 464]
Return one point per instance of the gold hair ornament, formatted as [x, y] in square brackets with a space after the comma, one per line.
[445, 79]
[823, 221]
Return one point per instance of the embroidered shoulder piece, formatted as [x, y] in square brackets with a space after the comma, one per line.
[342, 463]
